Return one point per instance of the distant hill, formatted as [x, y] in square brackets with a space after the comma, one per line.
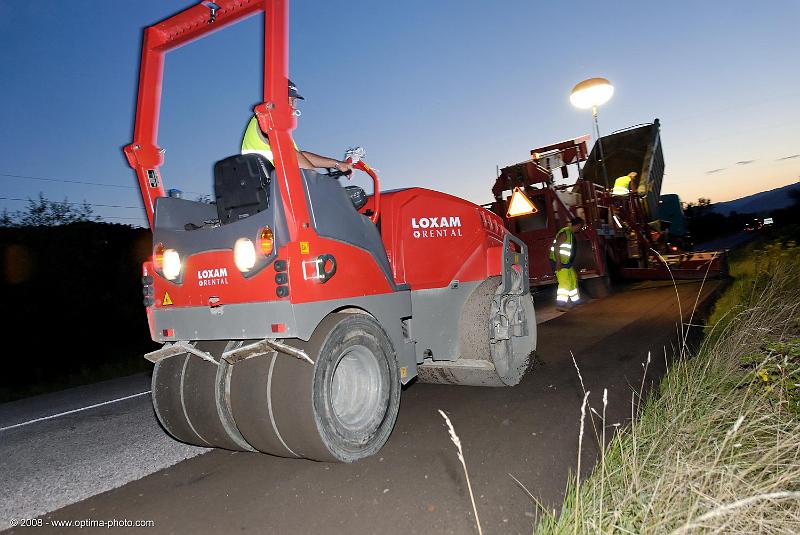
[758, 203]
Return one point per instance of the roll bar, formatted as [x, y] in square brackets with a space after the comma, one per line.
[274, 114]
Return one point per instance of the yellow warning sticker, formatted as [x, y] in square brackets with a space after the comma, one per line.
[403, 372]
[304, 248]
[166, 301]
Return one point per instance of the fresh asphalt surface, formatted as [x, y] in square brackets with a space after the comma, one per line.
[414, 485]
[51, 463]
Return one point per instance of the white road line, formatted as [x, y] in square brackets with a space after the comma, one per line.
[74, 411]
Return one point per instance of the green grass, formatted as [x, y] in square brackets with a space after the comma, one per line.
[716, 449]
[751, 268]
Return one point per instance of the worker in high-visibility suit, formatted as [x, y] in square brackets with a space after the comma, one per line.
[622, 185]
[562, 256]
[256, 142]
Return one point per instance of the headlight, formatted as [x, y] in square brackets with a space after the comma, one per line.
[244, 254]
[171, 264]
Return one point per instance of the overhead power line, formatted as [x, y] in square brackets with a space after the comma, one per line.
[67, 181]
[124, 218]
[82, 182]
[74, 203]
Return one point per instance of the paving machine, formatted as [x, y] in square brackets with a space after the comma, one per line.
[292, 309]
[626, 236]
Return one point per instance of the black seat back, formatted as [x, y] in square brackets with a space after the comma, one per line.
[241, 186]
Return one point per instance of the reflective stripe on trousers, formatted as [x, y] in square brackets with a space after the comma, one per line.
[567, 286]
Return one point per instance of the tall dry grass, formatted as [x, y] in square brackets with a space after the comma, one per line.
[717, 448]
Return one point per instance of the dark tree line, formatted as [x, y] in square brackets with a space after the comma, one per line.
[72, 295]
[705, 224]
[44, 212]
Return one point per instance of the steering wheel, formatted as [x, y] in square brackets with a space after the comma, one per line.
[335, 173]
[376, 195]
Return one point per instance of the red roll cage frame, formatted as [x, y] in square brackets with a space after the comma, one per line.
[274, 114]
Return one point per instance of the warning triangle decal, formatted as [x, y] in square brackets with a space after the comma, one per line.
[166, 301]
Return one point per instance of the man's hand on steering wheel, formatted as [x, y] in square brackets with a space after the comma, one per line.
[344, 168]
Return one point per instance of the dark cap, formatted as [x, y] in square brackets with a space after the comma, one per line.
[576, 221]
[293, 91]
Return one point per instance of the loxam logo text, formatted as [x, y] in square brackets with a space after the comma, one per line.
[212, 277]
[436, 227]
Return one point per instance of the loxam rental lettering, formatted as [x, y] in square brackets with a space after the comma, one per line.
[212, 277]
[444, 226]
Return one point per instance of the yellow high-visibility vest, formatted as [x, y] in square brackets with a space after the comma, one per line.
[622, 185]
[567, 249]
[255, 142]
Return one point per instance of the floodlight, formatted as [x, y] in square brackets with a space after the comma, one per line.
[591, 93]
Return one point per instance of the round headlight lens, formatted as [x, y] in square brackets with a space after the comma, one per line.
[244, 254]
[171, 264]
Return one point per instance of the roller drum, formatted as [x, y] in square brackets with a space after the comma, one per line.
[496, 336]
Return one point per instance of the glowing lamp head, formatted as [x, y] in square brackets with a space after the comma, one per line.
[172, 264]
[167, 261]
[244, 254]
[590, 93]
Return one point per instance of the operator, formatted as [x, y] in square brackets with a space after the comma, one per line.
[622, 185]
[256, 142]
[562, 255]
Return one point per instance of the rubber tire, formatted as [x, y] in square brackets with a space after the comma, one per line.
[284, 406]
[167, 396]
[346, 443]
[189, 402]
[204, 399]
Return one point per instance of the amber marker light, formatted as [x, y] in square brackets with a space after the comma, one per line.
[158, 256]
[266, 241]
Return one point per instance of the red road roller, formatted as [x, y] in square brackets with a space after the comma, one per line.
[292, 310]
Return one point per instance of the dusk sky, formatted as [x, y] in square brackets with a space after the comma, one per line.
[438, 92]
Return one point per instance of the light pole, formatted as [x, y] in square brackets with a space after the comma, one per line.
[592, 93]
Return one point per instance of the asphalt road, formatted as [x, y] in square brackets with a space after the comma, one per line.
[731, 241]
[415, 484]
[47, 463]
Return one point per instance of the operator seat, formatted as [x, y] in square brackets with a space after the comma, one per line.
[241, 186]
